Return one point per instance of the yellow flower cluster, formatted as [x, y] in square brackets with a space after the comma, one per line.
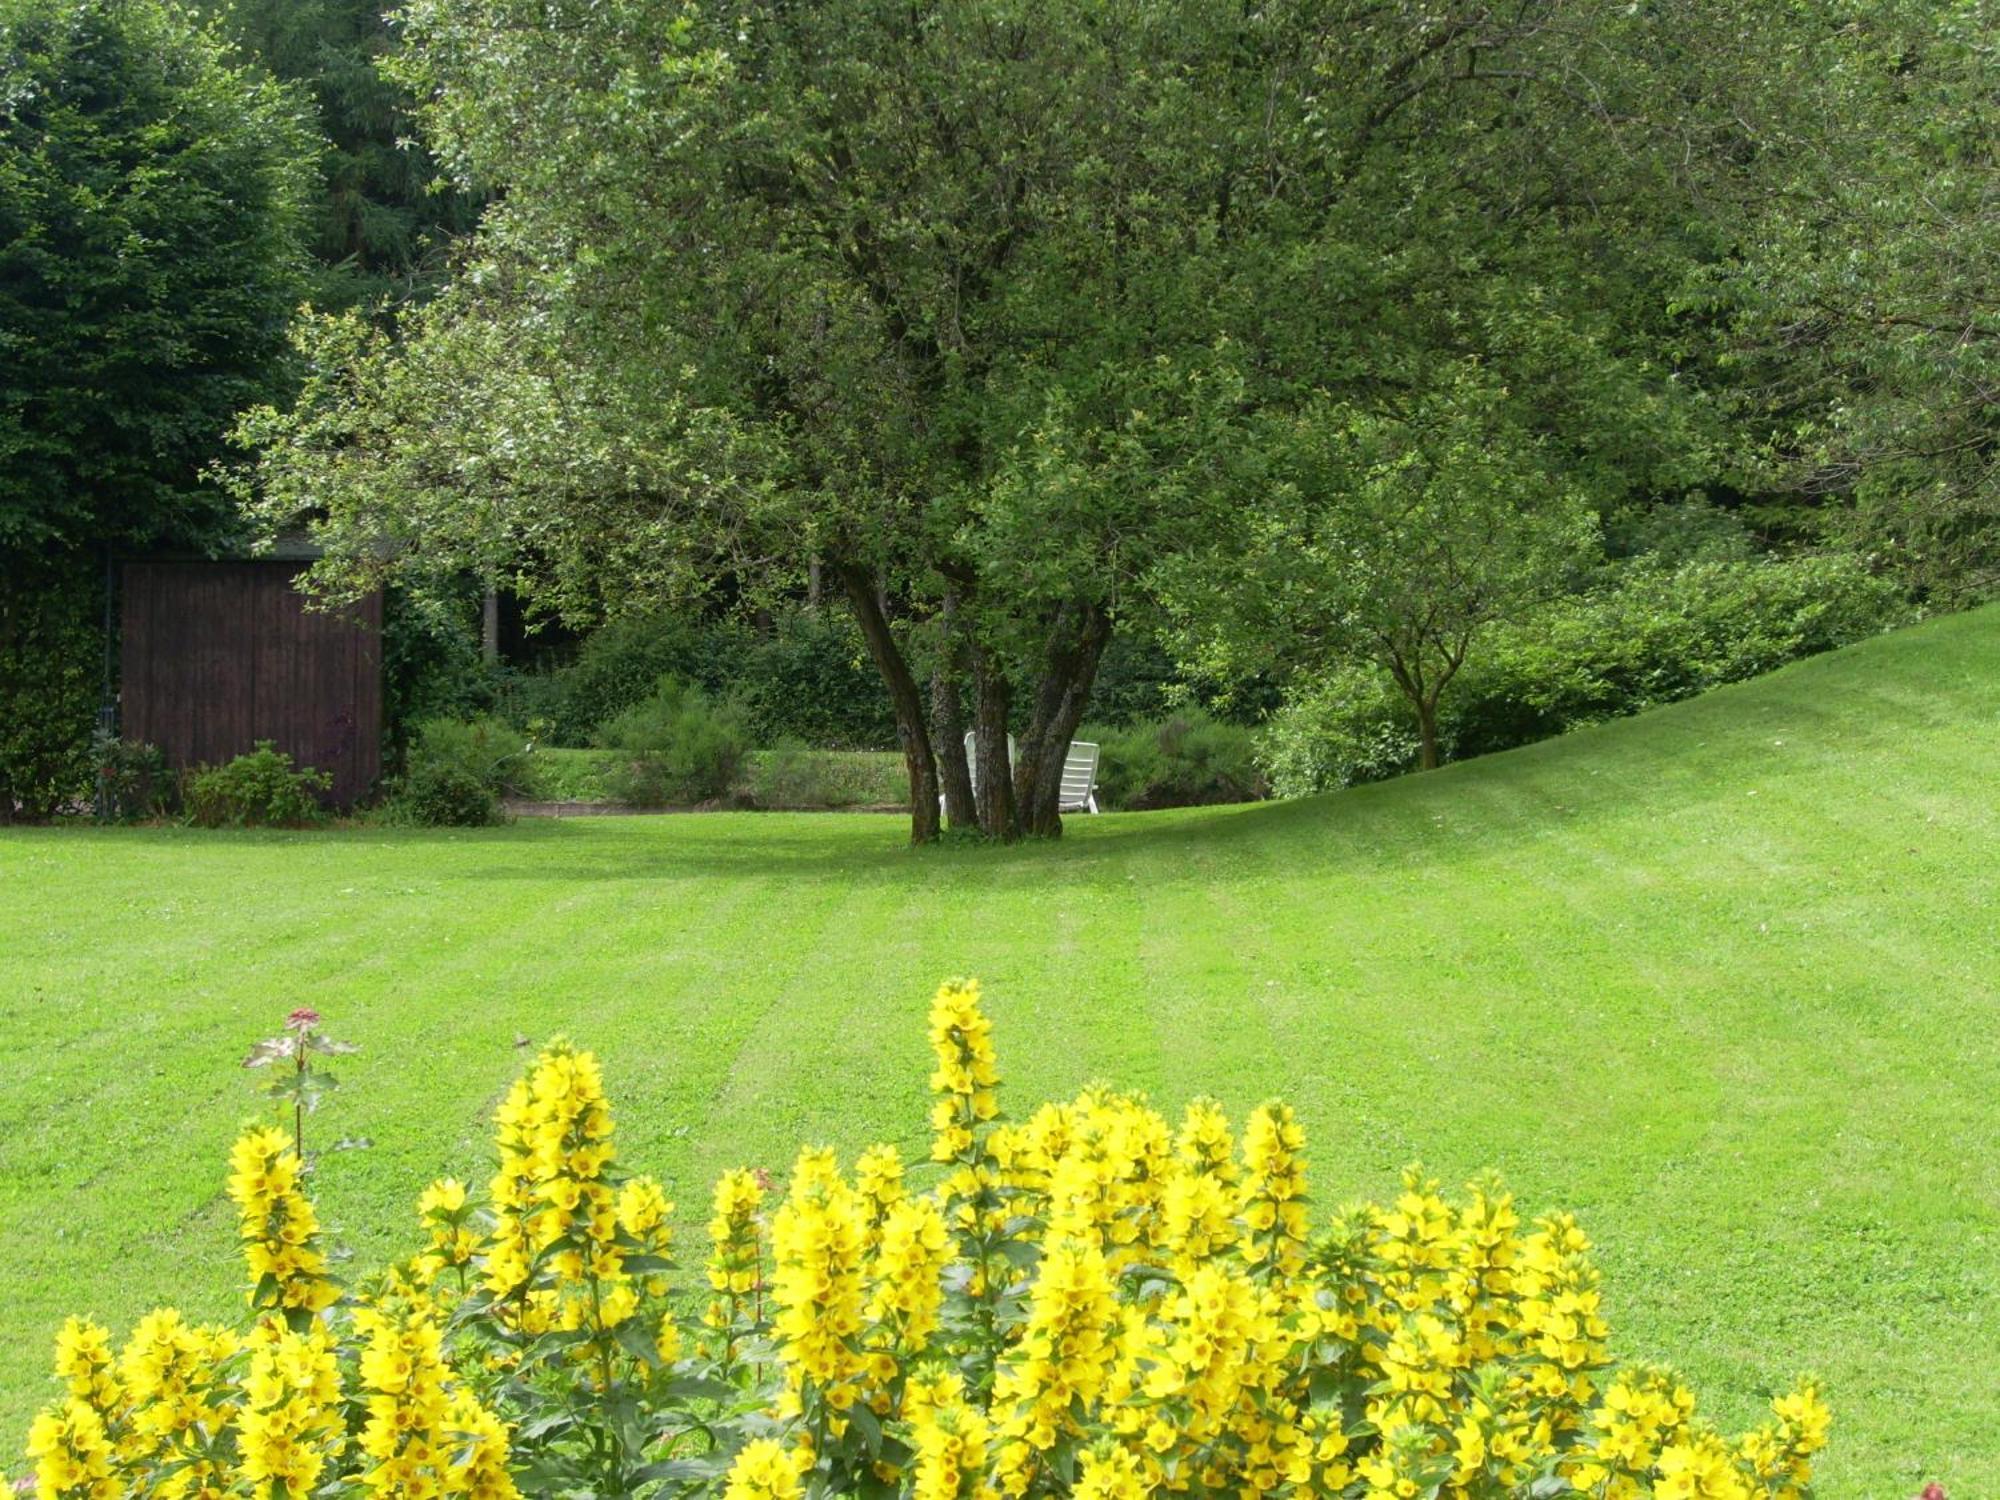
[1091, 1304]
[445, 1212]
[72, 1453]
[425, 1435]
[572, 1249]
[289, 1429]
[1159, 1317]
[735, 1264]
[818, 1238]
[765, 1470]
[278, 1227]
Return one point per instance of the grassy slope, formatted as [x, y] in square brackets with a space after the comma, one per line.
[1722, 978]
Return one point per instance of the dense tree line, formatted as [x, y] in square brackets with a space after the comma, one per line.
[1293, 335]
[172, 188]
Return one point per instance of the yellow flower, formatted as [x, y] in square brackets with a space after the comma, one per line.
[290, 1428]
[1057, 1371]
[1110, 1473]
[816, 1282]
[71, 1453]
[765, 1470]
[735, 1262]
[966, 1076]
[1700, 1468]
[278, 1227]
[950, 1443]
[1273, 1209]
[84, 1364]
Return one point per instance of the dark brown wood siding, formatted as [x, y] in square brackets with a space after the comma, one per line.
[215, 656]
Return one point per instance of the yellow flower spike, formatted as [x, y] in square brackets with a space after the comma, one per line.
[1272, 1201]
[951, 1445]
[765, 1470]
[278, 1227]
[817, 1244]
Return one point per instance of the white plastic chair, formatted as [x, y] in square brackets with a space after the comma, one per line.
[1079, 779]
[1079, 775]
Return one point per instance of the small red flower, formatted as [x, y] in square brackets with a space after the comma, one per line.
[302, 1019]
[1933, 1491]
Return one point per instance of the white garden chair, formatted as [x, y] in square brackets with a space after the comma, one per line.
[1079, 779]
[1079, 774]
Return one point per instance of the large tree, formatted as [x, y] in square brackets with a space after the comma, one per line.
[1858, 293]
[982, 309]
[382, 222]
[150, 256]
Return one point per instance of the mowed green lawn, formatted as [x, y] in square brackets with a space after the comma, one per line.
[1721, 978]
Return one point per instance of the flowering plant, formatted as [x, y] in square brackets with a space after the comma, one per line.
[1089, 1302]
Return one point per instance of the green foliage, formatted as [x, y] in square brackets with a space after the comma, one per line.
[51, 675]
[458, 771]
[557, 774]
[677, 748]
[1186, 759]
[808, 678]
[1656, 635]
[382, 219]
[794, 775]
[258, 789]
[132, 780]
[617, 668]
[1395, 538]
[1857, 305]
[981, 319]
[431, 663]
[150, 227]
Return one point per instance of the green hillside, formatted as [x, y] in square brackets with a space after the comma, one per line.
[1721, 978]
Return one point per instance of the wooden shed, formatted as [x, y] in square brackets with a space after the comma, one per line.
[215, 656]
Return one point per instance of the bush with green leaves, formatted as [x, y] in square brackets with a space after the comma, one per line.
[1186, 759]
[678, 748]
[260, 789]
[794, 775]
[132, 780]
[51, 670]
[1656, 635]
[458, 771]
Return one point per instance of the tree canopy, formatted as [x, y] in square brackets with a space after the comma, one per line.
[382, 221]
[150, 258]
[1025, 325]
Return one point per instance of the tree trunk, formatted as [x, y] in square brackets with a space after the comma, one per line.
[948, 724]
[1076, 645]
[996, 772]
[904, 697]
[1427, 736]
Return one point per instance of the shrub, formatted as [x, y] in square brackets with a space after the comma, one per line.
[132, 780]
[458, 772]
[1349, 727]
[1088, 1302]
[807, 678]
[568, 775]
[51, 670]
[431, 663]
[1186, 759]
[260, 789]
[810, 679]
[1658, 635]
[617, 668]
[791, 774]
[679, 747]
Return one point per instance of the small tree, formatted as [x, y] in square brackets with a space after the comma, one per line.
[1392, 535]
